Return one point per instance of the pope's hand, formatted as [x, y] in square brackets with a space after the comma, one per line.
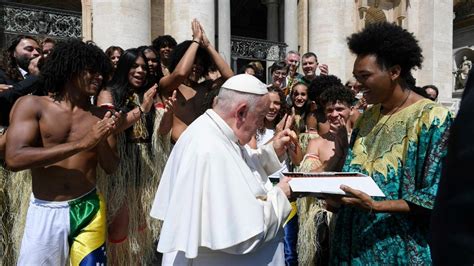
[284, 186]
[283, 140]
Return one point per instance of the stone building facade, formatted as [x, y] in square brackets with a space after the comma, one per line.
[245, 30]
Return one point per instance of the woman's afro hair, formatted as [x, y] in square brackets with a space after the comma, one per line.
[391, 44]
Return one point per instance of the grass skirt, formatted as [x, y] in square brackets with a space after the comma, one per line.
[18, 187]
[134, 185]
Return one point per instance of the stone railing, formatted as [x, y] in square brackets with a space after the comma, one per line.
[257, 49]
[16, 19]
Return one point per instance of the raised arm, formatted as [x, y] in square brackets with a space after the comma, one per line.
[222, 66]
[166, 122]
[11, 93]
[23, 150]
[183, 69]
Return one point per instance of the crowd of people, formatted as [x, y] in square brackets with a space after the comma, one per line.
[110, 156]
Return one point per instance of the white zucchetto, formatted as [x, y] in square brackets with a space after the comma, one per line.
[246, 83]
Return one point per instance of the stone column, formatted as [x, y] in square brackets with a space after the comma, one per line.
[157, 21]
[125, 23]
[86, 20]
[224, 29]
[303, 30]
[435, 35]
[291, 25]
[182, 12]
[327, 37]
[272, 19]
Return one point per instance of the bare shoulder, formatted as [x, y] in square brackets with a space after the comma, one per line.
[30, 104]
[32, 100]
[314, 144]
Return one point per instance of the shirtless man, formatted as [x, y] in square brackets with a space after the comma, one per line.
[327, 153]
[189, 63]
[317, 118]
[62, 138]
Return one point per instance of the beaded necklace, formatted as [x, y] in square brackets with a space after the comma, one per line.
[391, 113]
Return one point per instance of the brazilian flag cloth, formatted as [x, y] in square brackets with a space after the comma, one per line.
[65, 232]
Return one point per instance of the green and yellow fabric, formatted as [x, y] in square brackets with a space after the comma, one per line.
[403, 153]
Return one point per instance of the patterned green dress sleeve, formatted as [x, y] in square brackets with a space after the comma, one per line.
[404, 157]
[428, 156]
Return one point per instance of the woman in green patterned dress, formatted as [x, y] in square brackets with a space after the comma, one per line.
[400, 142]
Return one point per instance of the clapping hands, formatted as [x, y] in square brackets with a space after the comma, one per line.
[148, 99]
[199, 34]
[196, 29]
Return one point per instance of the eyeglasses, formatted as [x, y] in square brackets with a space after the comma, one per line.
[279, 73]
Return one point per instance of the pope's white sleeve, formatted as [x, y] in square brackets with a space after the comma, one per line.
[276, 209]
[268, 158]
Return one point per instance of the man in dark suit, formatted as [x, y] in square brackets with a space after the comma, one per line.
[15, 79]
[452, 220]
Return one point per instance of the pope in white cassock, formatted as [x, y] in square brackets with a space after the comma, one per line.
[215, 199]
